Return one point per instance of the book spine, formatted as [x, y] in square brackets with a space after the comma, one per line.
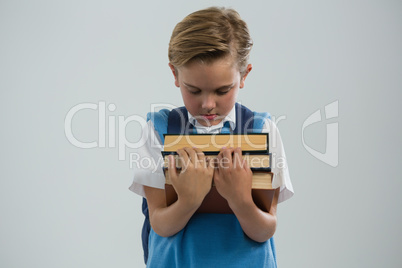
[258, 182]
[214, 142]
[254, 169]
[259, 152]
[216, 134]
[255, 162]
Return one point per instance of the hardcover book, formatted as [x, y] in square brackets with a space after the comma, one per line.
[257, 162]
[215, 203]
[255, 149]
[253, 142]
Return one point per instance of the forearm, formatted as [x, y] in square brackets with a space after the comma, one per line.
[192, 184]
[167, 221]
[256, 224]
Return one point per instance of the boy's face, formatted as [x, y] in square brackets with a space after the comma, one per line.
[209, 91]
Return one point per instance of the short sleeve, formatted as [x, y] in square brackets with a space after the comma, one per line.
[147, 162]
[279, 163]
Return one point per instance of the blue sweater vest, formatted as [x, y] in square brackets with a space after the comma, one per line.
[176, 122]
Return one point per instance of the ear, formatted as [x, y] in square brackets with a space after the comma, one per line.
[175, 75]
[243, 79]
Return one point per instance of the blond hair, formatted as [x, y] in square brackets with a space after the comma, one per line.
[210, 34]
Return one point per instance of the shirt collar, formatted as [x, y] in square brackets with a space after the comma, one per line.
[231, 118]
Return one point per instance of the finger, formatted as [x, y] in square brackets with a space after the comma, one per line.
[184, 158]
[192, 154]
[246, 166]
[210, 163]
[217, 173]
[218, 160]
[221, 151]
[221, 161]
[227, 158]
[172, 172]
[200, 154]
[238, 158]
[201, 157]
[231, 149]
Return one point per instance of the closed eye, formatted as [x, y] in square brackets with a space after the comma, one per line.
[222, 92]
[219, 91]
[195, 92]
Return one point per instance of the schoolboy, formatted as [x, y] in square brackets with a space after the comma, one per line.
[208, 56]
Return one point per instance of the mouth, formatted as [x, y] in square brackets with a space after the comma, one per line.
[209, 117]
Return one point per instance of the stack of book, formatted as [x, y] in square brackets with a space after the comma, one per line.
[255, 149]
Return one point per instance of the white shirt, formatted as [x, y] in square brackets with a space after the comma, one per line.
[148, 167]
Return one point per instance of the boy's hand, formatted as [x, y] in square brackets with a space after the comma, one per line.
[195, 179]
[233, 177]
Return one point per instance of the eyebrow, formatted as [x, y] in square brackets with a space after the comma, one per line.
[217, 89]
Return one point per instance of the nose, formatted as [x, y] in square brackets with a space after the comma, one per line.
[208, 102]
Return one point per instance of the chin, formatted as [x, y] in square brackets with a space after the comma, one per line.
[209, 123]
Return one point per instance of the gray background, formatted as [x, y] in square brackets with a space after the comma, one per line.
[62, 206]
